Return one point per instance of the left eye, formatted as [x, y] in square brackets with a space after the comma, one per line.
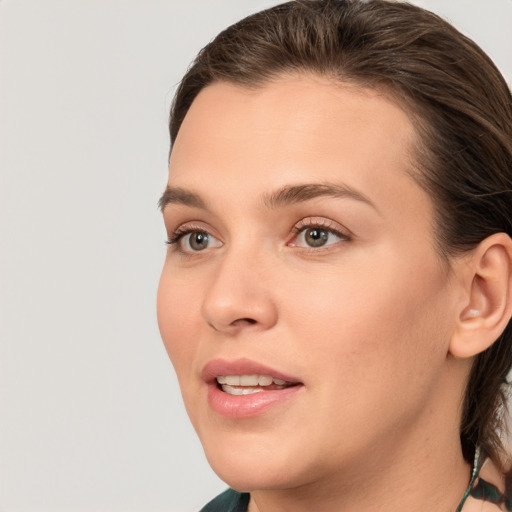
[316, 236]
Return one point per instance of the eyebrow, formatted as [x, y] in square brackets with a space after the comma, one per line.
[176, 195]
[292, 194]
[289, 194]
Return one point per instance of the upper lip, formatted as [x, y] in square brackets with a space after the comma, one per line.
[222, 367]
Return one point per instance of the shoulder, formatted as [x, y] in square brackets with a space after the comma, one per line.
[228, 501]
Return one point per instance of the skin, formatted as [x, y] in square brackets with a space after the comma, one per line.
[365, 321]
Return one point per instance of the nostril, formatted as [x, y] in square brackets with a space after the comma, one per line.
[236, 324]
[249, 321]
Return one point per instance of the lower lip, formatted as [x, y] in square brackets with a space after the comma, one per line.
[248, 406]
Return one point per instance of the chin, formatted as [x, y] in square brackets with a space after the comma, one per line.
[250, 479]
[247, 467]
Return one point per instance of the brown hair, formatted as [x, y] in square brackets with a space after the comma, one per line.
[462, 110]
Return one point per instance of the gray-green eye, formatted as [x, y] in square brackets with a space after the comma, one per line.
[196, 241]
[316, 236]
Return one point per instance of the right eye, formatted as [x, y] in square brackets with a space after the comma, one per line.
[191, 240]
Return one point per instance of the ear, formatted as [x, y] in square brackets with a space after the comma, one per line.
[486, 307]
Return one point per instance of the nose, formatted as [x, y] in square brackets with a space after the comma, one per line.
[240, 296]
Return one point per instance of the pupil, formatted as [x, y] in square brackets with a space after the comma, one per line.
[316, 237]
[199, 241]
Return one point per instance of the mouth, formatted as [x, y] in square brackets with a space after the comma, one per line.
[250, 384]
[243, 388]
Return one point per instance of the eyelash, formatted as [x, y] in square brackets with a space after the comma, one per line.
[179, 233]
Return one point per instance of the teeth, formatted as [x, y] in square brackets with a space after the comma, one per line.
[239, 390]
[264, 380]
[232, 380]
[249, 380]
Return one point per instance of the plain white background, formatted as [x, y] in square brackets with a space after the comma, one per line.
[90, 414]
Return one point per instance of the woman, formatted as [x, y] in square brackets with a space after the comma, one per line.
[338, 287]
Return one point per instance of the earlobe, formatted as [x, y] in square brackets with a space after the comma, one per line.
[487, 306]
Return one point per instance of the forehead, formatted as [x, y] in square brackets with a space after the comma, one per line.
[295, 130]
[292, 115]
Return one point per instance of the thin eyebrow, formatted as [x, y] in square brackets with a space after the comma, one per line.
[176, 195]
[298, 193]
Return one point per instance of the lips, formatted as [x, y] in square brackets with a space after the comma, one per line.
[244, 388]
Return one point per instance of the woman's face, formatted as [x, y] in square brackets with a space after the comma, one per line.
[302, 251]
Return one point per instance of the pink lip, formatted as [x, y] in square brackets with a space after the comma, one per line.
[245, 406]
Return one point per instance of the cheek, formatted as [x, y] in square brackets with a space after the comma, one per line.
[377, 319]
[374, 346]
[176, 320]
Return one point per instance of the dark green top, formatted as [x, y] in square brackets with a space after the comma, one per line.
[228, 501]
